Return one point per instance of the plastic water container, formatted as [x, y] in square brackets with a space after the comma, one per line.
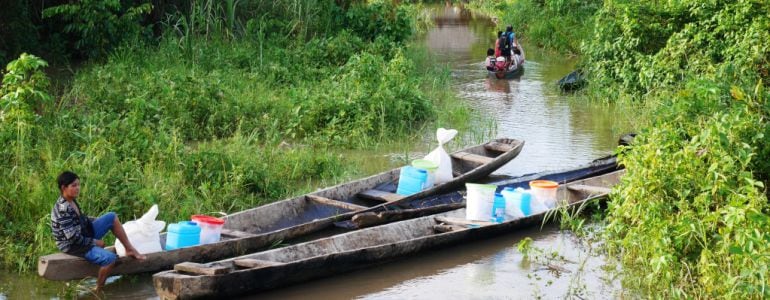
[182, 234]
[428, 166]
[211, 228]
[525, 202]
[544, 191]
[479, 202]
[513, 203]
[498, 209]
[411, 181]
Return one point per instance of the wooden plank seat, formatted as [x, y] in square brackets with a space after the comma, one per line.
[335, 203]
[200, 269]
[474, 159]
[447, 228]
[378, 195]
[251, 263]
[498, 147]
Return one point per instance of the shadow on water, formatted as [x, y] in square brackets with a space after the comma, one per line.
[560, 132]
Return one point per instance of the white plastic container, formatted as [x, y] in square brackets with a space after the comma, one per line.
[479, 202]
[211, 228]
[544, 191]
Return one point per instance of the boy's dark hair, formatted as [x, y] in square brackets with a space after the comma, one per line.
[490, 51]
[509, 28]
[499, 33]
[66, 178]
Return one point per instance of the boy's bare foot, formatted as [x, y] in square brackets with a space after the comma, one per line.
[98, 292]
[135, 254]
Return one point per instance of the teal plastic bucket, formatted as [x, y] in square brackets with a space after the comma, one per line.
[411, 181]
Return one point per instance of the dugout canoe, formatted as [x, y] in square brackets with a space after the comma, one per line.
[573, 81]
[354, 250]
[263, 226]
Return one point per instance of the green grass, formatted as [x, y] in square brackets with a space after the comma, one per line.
[213, 123]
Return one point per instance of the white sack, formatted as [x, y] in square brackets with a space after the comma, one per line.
[143, 233]
[440, 157]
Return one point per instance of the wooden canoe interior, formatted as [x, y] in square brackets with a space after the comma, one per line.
[350, 197]
[300, 216]
[452, 221]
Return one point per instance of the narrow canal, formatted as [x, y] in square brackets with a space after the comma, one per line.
[561, 131]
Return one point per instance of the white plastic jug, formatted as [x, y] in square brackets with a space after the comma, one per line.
[440, 157]
[143, 233]
[479, 202]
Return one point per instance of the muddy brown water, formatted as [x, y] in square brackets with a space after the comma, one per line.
[560, 131]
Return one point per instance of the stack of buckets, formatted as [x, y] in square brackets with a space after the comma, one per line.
[420, 176]
[201, 230]
[483, 204]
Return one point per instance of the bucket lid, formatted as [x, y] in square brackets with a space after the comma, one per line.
[208, 219]
[424, 164]
[543, 184]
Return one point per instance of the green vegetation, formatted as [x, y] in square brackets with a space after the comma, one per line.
[691, 217]
[233, 106]
[559, 25]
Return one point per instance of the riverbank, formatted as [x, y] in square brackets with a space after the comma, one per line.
[207, 122]
[691, 215]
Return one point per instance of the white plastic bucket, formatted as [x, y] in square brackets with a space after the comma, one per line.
[479, 202]
[544, 191]
[211, 228]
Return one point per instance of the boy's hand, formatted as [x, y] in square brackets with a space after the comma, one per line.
[99, 243]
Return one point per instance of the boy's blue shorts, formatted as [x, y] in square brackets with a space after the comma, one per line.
[98, 255]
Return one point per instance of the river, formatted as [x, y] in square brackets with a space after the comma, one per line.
[560, 131]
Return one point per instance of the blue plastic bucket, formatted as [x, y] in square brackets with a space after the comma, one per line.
[182, 234]
[411, 181]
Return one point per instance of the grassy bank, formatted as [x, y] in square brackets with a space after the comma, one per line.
[691, 217]
[552, 25]
[206, 121]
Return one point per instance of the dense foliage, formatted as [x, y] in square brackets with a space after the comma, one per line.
[232, 107]
[691, 217]
[559, 25]
[692, 213]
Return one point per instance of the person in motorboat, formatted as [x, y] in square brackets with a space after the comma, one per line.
[498, 52]
[511, 37]
[505, 47]
[501, 64]
[490, 61]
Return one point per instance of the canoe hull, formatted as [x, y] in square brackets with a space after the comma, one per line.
[507, 74]
[383, 243]
[279, 221]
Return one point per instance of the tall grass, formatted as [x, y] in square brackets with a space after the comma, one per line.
[213, 119]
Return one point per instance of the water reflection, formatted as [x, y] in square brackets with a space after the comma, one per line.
[560, 131]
